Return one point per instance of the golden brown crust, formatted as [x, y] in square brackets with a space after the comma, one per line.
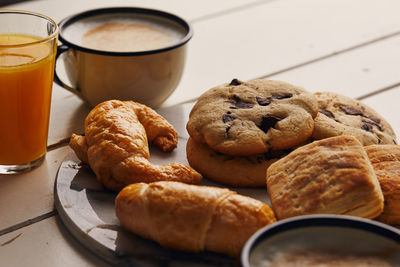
[342, 115]
[117, 135]
[235, 219]
[332, 175]
[230, 170]
[191, 218]
[79, 145]
[386, 162]
[248, 118]
[158, 130]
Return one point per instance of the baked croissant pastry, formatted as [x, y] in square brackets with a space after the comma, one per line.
[116, 147]
[190, 217]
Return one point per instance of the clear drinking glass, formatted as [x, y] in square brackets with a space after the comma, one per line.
[28, 46]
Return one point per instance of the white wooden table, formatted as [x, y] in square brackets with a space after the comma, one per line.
[350, 47]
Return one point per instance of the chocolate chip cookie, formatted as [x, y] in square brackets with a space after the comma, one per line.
[331, 176]
[342, 115]
[247, 118]
[235, 171]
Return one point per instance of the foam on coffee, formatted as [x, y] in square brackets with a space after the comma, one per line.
[124, 32]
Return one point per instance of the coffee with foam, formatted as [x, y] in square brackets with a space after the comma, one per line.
[124, 33]
[125, 37]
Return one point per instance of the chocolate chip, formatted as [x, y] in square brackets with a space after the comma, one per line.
[281, 96]
[227, 131]
[327, 113]
[239, 103]
[227, 118]
[372, 122]
[243, 104]
[374, 119]
[268, 122]
[366, 126]
[263, 101]
[378, 126]
[351, 110]
[394, 142]
[235, 82]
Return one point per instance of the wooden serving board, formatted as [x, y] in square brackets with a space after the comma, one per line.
[87, 210]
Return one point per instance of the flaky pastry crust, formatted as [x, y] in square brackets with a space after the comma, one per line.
[116, 147]
[329, 176]
[191, 218]
[386, 162]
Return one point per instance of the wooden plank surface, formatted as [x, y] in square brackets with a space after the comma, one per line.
[190, 10]
[28, 195]
[46, 243]
[355, 73]
[257, 41]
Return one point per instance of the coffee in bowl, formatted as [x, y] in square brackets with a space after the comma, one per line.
[124, 32]
[124, 53]
[127, 36]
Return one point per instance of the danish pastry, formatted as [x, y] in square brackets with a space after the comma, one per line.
[332, 176]
[386, 162]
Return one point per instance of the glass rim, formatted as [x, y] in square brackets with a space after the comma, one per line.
[42, 40]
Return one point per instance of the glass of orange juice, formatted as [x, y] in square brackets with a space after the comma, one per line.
[28, 46]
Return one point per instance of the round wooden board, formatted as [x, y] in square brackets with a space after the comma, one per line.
[87, 210]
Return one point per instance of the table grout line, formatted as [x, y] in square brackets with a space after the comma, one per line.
[61, 143]
[28, 222]
[335, 53]
[376, 92]
[229, 11]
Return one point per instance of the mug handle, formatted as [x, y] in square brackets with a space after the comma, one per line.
[60, 50]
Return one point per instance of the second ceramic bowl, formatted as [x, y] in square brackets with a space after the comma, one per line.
[323, 239]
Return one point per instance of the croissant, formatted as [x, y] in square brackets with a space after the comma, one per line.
[116, 147]
[190, 217]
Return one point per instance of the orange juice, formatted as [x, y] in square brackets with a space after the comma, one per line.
[26, 79]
